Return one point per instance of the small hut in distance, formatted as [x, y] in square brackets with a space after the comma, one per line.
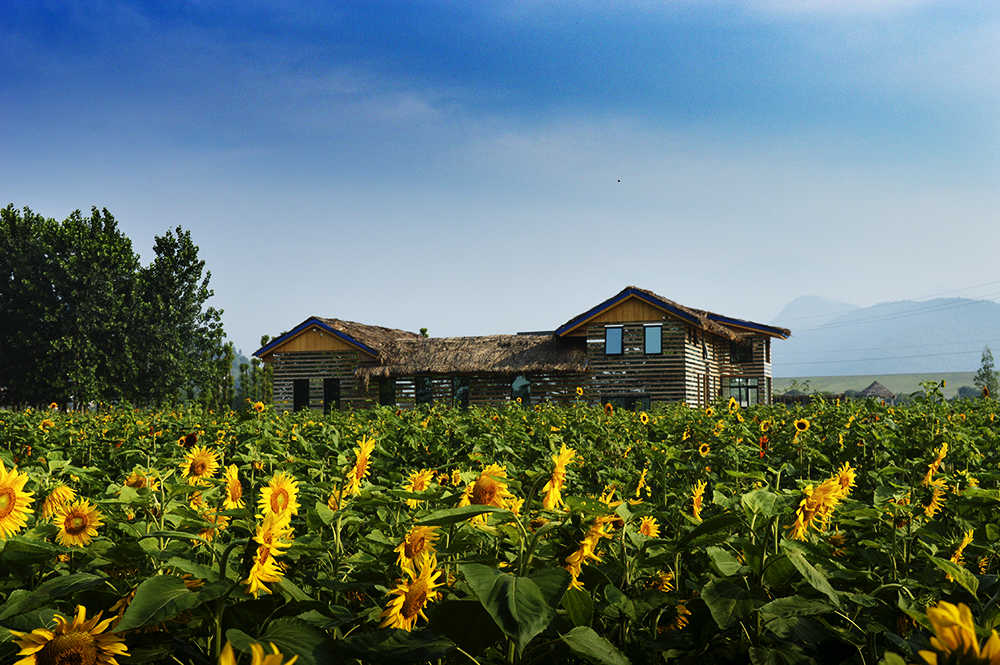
[877, 391]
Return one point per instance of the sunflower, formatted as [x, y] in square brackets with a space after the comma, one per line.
[140, 478]
[579, 391]
[199, 463]
[587, 550]
[258, 407]
[418, 481]
[489, 489]
[273, 537]
[14, 501]
[938, 487]
[704, 449]
[609, 410]
[279, 497]
[816, 506]
[58, 497]
[46, 425]
[733, 405]
[412, 597]
[643, 418]
[641, 485]
[417, 544]
[553, 488]
[933, 467]
[648, 526]
[234, 489]
[664, 581]
[955, 639]
[958, 558]
[357, 473]
[69, 643]
[697, 496]
[336, 500]
[227, 657]
[846, 476]
[709, 411]
[77, 522]
[801, 425]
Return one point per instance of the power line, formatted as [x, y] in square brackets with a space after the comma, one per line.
[872, 360]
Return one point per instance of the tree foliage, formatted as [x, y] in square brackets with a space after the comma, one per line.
[986, 376]
[81, 320]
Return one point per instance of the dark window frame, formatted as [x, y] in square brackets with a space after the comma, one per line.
[740, 388]
[300, 394]
[423, 390]
[387, 391]
[331, 393]
[608, 340]
[460, 392]
[740, 353]
[659, 338]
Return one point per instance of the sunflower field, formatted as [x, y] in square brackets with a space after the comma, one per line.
[850, 532]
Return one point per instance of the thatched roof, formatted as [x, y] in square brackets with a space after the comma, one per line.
[377, 337]
[367, 337]
[492, 354]
[877, 391]
[726, 327]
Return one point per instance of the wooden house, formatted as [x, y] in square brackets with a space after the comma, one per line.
[631, 350]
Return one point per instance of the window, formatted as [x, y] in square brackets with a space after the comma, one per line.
[743, 389]
[613, 341]
[741, 352]
[331, 395]
[521, 388]
[387, 392]
[300, 394]
[654, 339]
[460, 391]
[425, 390]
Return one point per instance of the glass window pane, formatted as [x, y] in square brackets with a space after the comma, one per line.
[654, 339]
[612, 341]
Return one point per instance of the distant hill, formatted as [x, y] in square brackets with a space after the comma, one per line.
[831, 338]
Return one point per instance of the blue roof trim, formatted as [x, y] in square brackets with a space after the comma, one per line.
[607, 304]
[778, 332]
[302, 328]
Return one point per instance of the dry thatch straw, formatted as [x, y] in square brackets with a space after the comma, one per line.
[492, 354]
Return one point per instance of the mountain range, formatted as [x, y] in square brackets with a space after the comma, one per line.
[833, 338]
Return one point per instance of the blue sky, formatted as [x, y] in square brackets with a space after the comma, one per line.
[491, 167]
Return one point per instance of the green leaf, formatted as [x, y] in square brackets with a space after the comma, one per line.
[967, 580]
[585, 643]
[48, 591]
[793, 606]
[467, 623]
[723, 560]
[813, 576]
[579, 606]
[764, 502]
[727, 601]
[516, 604]
[158, 599]
[391, 646]
[292, 637]
[710, 526]
[454, 515]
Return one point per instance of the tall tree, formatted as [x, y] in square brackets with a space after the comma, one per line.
[66, 285]
[82, 321]
[986, 378]
[181, 341]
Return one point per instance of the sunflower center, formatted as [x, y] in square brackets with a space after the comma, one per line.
[235, 490]
[484, 492]
[8, 500]
[414, 546]
[75, 524]
[279, 500]
[76, 648]
[198, 468]
[415, 600]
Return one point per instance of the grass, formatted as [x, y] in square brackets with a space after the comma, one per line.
[901, 384]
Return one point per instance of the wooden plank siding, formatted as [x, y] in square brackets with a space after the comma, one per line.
[316, 366]
[660, 377]
[708, 360]
[492, 389]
